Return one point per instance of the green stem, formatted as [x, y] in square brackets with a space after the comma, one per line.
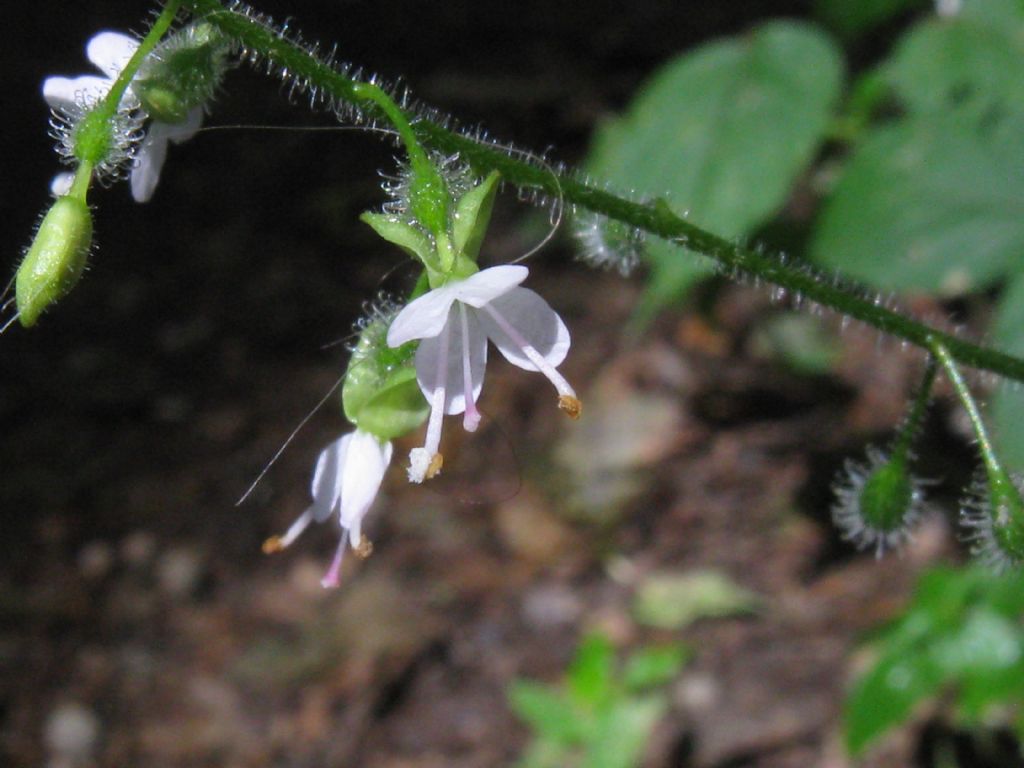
[988, 455]
[163, 22]
[654, 218]
[80, 185]
[913, 423]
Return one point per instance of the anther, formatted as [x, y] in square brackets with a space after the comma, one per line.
[272, 545]
[571, 405]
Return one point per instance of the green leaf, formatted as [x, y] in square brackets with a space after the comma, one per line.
[723, 132]
[473, 215]
[651, 667]
[985, 658]
[799, 341]
[674, 600]
[547, 711]
[973, 62]
[590, 676]
[885, 696]
[622, 734]
[986, 643]
[854, 17]
[404, 235]
[932, 205]
[1007, 404]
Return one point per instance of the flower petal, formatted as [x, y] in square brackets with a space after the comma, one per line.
[534, 320]
[185, 130]
[364, 468]
[422, 318]
[327, 477]
[486, 285]
[61, 184]
[149, 162]
[74, 91]
[428, 360]
[110, 51]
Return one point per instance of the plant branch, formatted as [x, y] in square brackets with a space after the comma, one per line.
[655, 218]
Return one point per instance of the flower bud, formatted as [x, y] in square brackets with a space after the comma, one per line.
[995, 512]
[380, 394]
[55, 260]
[877, 502]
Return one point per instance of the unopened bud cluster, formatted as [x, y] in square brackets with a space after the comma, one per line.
[103, 138]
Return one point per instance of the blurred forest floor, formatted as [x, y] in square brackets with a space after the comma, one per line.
[140, 624]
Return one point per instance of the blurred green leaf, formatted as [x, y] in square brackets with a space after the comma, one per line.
[961, 633]
[722, 132]
[674, 600]
[885, 696]
[623, 732]
[929, 205]
[800, 341]
[651, 667]
[972, 62]
[985, 657]
[1008, 401]
[547, 710]
[854, 17]
[591, 672]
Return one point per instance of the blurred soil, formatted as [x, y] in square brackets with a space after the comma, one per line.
[140, 624]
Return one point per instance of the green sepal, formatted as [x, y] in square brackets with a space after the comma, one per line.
[473, 215]
[407, 237]
[395, 408]
[380, 394]
[429, 198]
[161, 100]
[54, 262]
[94, 137]
[183, 74]
[422, 286]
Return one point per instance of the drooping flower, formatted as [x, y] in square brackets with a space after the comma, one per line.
[347, 477]
[110, 51]
[454, 323]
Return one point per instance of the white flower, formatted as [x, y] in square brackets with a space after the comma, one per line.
[347, 477]
[110, 51]
[454, 323]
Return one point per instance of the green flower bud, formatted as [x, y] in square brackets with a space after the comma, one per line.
[877, 502]
[54, 262]
[380, 394]
[886, 496]
[994, 511]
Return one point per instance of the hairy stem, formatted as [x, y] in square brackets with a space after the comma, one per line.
[655, 218]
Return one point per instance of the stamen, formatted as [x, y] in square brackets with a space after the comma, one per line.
[571, 405]
[567, 400]
[272, 545]
[277, 543]
[332, 578]
[471, 416]
[365, 548]
[425, 462]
